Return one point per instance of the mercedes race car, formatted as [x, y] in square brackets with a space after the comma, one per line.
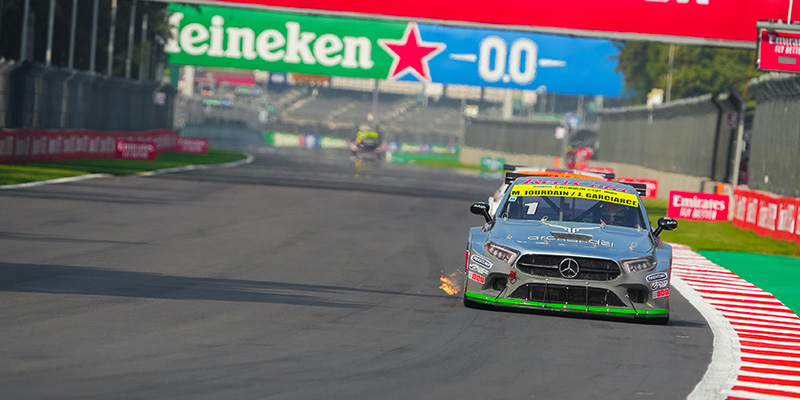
[512, 172]
[570, 244]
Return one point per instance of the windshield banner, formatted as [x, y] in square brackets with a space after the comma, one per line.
[395, 50]
[590, 193]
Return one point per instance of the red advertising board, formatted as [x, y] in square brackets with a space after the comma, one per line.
[652, 185]
[797, 220]
[31, 145]
[128, 150]
[767, 214]
[192, 145]
[729, 20]
[698, 206]
[787, 215]
[779, 51]
[740, 198]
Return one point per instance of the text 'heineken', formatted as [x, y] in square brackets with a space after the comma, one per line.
[289, 45]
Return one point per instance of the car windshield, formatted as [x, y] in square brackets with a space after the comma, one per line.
[572, 209]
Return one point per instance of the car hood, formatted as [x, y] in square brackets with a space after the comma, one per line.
[590, 240]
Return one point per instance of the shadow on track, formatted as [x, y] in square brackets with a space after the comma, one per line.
[61, 279]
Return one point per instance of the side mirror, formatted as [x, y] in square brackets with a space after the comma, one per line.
[665, 224]
[481, 209]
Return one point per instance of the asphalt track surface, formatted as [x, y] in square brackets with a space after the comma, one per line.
[299, 276]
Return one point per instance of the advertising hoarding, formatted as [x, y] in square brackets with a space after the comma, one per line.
[779, 50]
[698, 206]
[729, 22]
[406, 51]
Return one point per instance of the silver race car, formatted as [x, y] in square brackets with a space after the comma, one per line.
[570, 244]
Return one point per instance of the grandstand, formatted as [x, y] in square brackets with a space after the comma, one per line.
[404, 111]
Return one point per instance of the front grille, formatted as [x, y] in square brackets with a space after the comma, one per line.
[563, 294]
[591, 269]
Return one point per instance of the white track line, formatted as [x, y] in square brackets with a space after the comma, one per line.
[247, 160]
[53, 181]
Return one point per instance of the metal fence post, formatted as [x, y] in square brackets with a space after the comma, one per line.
[131, 32]
[111, 32]
[72, 29]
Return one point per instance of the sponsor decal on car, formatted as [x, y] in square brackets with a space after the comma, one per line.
[481, 261]
[657, 276]
[659, 285]
[478, 269]
[660, 293]
[606, 193]
[596, 242]
[477, 278]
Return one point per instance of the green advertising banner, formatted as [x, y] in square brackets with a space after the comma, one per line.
[251, 39]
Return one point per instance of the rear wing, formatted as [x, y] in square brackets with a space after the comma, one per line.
[514, 171]
[641, 188]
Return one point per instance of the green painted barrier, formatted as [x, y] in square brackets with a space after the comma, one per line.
[405, 158]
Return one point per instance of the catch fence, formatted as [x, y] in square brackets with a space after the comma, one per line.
[35, 96]
[514, 136]
[695, 136]
[775, 138]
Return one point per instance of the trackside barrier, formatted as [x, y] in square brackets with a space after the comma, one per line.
[767, 214]
[31, 145]
[282, 139]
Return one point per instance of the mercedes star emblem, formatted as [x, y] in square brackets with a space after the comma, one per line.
[568, 268]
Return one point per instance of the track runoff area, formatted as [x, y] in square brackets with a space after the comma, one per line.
[756, 337]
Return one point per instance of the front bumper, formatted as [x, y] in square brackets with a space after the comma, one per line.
[627, 295]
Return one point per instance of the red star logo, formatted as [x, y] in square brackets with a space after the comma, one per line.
[411, 54]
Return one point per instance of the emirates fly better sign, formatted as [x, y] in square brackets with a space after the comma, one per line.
[698, 206]
[779, 50]
[407, 51]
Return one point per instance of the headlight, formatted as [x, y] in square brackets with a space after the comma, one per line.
[503, 253]
[638, 264]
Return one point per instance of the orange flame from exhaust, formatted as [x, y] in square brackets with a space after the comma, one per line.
[448, 285]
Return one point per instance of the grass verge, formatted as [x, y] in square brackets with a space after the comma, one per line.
[717, 236]
[29, 172]
[452, 164]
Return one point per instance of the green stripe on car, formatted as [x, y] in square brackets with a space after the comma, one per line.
[536, 304]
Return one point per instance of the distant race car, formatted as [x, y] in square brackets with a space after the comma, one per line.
[570, 244]
[367, 144]
[514, 171]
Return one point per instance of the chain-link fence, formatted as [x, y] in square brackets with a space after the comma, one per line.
[514, 136]
[692, 136]
[193, 111]
[775, 137]
[35, 96]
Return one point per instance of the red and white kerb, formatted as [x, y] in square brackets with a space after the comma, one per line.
[756, 337]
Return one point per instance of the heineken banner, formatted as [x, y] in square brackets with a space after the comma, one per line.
[406, 51]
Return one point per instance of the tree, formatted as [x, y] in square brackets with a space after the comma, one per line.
[696, 70]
